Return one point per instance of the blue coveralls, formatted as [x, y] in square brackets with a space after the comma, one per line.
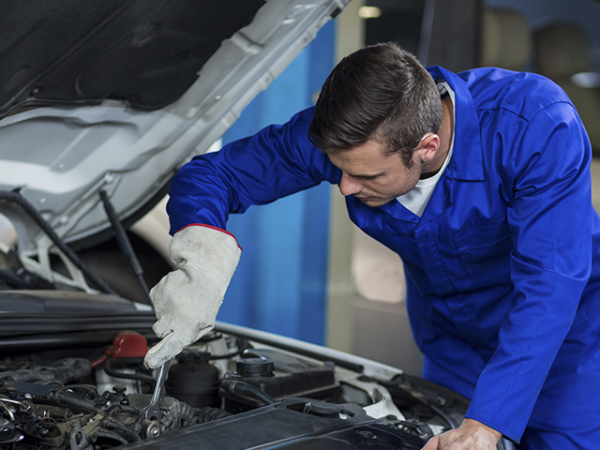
[503, 267]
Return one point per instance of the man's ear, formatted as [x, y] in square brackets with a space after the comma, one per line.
[429, 145]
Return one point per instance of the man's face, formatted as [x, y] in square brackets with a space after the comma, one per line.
[374, 177]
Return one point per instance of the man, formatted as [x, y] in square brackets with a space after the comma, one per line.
[480, 181]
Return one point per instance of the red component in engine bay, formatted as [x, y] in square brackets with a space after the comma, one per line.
[128, 347]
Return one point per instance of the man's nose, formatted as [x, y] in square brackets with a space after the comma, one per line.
[349, 186]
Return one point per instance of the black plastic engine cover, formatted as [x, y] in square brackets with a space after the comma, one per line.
[282, 426]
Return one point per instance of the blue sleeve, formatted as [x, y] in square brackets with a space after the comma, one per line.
[549, 216]
[276, 162]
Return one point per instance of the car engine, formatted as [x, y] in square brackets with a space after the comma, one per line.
[224, 392]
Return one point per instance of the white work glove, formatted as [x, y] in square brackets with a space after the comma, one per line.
[187, 299]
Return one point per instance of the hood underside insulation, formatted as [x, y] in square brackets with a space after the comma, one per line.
[144, 52]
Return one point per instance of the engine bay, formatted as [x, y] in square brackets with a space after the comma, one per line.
[226, 392]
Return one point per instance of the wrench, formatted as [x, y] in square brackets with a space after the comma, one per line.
[152, 410]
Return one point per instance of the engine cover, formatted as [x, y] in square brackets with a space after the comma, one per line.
[285, 425]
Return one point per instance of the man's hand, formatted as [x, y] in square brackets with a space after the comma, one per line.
[187, 300]
[471, 435]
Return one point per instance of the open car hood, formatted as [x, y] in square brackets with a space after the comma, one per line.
[115, 96]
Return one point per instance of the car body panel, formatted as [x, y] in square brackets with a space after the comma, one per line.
[60, 157]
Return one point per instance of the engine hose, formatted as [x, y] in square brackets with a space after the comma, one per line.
[247, 390]
[109, 368]
[103, 432]
[73, 400]
[129, 409]
[423, 401]
[442, 415]
[113, 423]
[70, 369]
[18, 199]
[209, 414]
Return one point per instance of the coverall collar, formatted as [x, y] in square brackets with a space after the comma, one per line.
[467, 159]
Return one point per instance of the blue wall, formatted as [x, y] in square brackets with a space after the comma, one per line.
[280, 285]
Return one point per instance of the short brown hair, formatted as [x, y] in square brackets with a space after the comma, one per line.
[379, 93]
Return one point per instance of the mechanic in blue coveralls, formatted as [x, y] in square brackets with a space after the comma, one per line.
[480, 181]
